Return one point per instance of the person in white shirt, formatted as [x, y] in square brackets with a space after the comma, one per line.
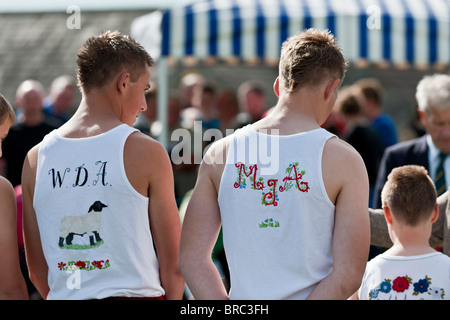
[99, 212]
[411, 268]
[291, 197]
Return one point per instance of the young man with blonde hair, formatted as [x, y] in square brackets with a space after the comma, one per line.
[411, 268]
[12, 283]
[291, 197]
[100, 218]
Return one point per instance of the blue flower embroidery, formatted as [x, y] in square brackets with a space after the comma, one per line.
[373, 294]
[385, 287]
[421, 286]
[269, 223]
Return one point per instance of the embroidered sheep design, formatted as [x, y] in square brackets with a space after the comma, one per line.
[88, 223]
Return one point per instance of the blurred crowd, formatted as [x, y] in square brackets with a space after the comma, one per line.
[357, 118]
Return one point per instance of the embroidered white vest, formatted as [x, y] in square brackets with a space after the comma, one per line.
[276, 215]
[94, 226]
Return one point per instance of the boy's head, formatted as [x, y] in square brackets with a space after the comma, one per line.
[102, 58]
[350, 102]
[310, 58]
[7, 119]
[6, 111]
[372, 90]
[410, 194]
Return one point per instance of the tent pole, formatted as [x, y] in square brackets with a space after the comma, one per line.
[163, 100]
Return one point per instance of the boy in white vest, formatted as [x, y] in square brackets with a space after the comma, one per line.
[100, 218]
[411, 269]
[291, 197]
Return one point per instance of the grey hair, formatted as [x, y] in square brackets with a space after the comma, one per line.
[433, 92]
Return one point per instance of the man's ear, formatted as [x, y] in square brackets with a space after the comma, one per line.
[276, 86]
[423, 117]
[330, 88]
[122, 81]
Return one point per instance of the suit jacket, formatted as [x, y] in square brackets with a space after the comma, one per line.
[440, 234]
[413, 151]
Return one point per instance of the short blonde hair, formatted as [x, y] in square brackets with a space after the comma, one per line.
[410, 194]
[309, 58]
[103, 57]
[6, 111]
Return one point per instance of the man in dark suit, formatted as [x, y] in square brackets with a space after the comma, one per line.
[433, 99]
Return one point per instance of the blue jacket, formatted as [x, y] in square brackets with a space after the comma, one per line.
[413, 151]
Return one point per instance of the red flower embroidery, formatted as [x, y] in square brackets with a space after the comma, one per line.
[98, 264]
[81, 264]
[61, 265]
[400, 284]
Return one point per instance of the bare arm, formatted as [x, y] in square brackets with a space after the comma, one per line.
[166, 228]
[37, 265]
[12, 284]
[440, 235]
[149, 170]
[346, 181]
[201, 227]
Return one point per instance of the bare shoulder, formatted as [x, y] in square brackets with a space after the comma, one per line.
[8, 201]
[29, 168]
[215, 158]
[6, 189]
[141, 145]
[337, 151]
[146, 162]
[342, 166]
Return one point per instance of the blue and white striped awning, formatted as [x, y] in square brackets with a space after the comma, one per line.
[400, 32]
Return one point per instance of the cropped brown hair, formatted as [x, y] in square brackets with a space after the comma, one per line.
[350, 102]
[410, 194]
[6, 111]
[103, 57]
[371, 89]
[309, 58]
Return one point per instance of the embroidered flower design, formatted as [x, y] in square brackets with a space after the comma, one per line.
[81, 264]
[400, 284]
[421, 286]
[385, 286]
[98, 264]
[437, 293]
[84, 265]
[373, 294]
[61, 265]
[269, 223]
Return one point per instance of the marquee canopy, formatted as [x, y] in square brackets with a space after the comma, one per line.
[387, 32]
[413, 32]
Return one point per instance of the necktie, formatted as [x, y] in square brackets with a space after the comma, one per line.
[439, 179]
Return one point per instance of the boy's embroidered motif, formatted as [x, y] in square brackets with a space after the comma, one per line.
[88, 223]
[402, 284]
[269, 223]
[84, 265]
[270, 196]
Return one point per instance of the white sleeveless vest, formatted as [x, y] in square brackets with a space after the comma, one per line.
[276, 216]
[94, 226]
